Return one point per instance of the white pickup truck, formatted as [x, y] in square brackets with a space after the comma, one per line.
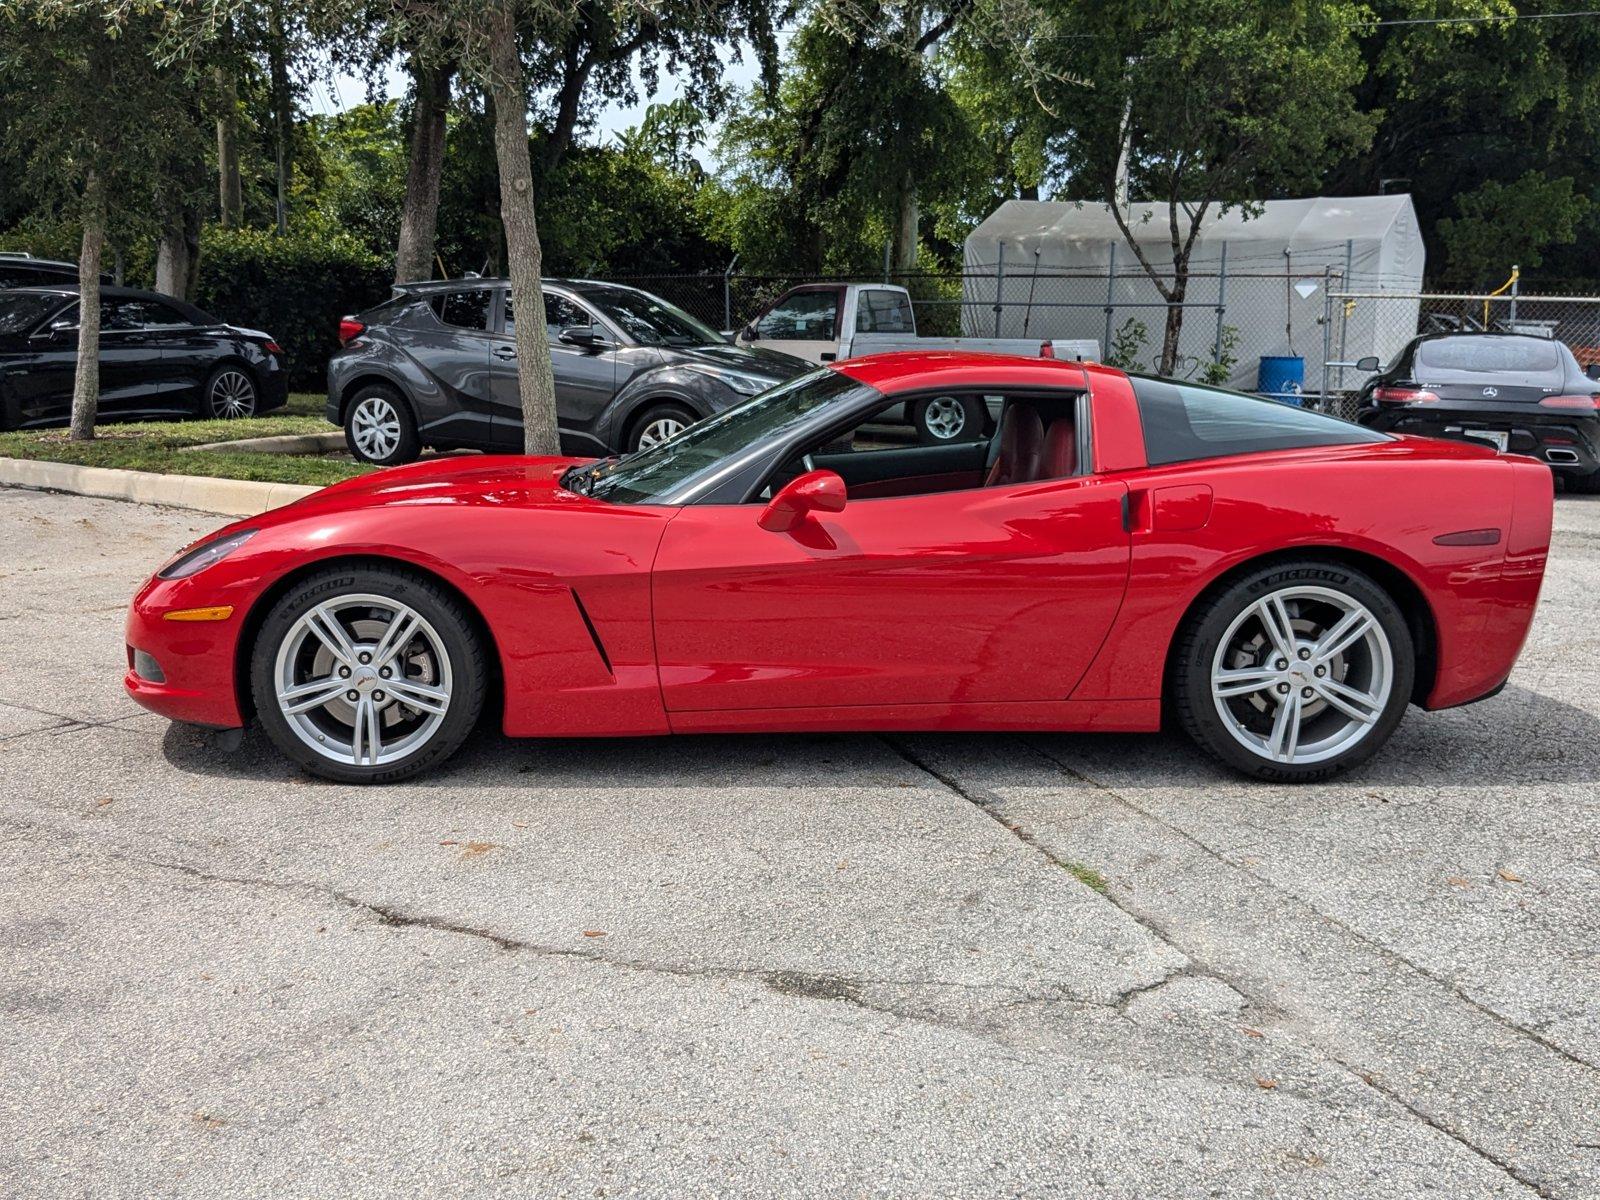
[825, 322]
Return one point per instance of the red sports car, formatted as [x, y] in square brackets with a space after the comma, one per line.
[1280, 583]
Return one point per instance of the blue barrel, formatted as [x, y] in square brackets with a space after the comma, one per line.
[1282, 377]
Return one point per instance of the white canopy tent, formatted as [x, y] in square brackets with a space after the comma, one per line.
[1056, 266]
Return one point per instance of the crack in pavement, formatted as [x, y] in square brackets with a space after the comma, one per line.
[1378, 947]
[846, 988]
[993, 806]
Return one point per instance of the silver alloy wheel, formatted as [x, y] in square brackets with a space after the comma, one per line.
[376, 427]
[660, 430]
[362, 679]
[945, 417]
[233, 396]
[1302, 675]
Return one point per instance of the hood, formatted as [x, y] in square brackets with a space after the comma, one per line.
[753, 360]
[500, 479]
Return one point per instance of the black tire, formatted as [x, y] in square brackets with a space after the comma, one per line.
[654, 418]
[456, 632]
[947, 420]
[1199, 639]
[399, 442]
[230, 393]
[1583, 485]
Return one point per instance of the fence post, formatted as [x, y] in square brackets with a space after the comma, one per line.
[1516, 275]
[1344, 308]
[1111, 286]
[727, 293]
[1222, 305]
[999, 281]
[1327, 331]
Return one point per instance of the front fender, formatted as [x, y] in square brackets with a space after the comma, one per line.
[672, 383]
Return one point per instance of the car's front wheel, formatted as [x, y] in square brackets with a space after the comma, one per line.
[230, 394]
[1294, 672]
[379, 428]
[657, 424]
[368, 674]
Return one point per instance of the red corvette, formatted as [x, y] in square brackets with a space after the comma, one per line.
[1280, 583]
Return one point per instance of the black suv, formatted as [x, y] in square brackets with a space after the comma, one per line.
[1512, 391]
[437, 366]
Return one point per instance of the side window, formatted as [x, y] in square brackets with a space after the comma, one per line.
[147, 314]
[880, 310]
[559, 313]
[803, 317]
[1183, 421]
[464, 310]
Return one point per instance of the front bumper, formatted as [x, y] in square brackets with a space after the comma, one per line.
[195, 658]
[1566, 442]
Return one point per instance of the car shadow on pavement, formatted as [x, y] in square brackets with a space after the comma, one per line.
[1520, 736]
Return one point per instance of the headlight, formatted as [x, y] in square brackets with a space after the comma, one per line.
[202, 556]
[745, 385]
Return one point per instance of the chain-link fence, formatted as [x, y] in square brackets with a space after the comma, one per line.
[1293, 334]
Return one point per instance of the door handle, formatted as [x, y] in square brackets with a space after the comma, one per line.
[505, 352]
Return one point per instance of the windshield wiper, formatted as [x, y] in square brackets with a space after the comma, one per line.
[581, 479]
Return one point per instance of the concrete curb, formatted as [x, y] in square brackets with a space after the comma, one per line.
[228, 497]
[288, 443]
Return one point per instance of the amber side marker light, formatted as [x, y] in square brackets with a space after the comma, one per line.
[218, 612]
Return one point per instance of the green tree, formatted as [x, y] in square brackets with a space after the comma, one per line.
[96, 119]
[1216, 104]
[1500, 226]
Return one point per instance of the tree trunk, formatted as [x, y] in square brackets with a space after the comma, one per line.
[178, 253]
[86, 381]
[1169, 341]
[903, 253]
[419, 219]
[230, 188]
[535, 378]
[282, 109]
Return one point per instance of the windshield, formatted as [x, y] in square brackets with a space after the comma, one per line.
[18, 314]
[727, 439]
[1465, 358]
[650, 320]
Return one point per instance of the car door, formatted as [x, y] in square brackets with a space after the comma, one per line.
[804, 323]
[39, 359]
[985, 595]
[128, 366]
[175, 357]
[583, 359]
[450, 342]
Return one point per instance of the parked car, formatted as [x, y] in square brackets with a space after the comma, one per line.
[1283, 582]
[159, 357]
[24, 270]
[1512, 391]
[830, 322]
[437, 366]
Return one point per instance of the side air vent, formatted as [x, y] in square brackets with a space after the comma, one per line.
[594, 634]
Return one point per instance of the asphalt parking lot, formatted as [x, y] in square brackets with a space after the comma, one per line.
[798, 966]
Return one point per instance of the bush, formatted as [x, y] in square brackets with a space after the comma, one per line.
[294, 287]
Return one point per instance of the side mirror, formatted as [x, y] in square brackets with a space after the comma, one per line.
[586, 336]
[750, 333]
[1592, 370]
[815, 491]
[1369, 364]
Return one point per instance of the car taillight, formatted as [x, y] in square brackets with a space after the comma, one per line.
[1584, 402]
[1401, 395]
[1047, 350]
[274, 348]
[349, 330]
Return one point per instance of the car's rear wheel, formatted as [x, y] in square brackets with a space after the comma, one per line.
[943, 420]
[230, 393]
[379, 428]
[658, 423]
[368, 675]
[1294, 672]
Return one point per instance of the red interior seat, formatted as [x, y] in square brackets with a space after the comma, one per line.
[1021, 446]
[1060, 450]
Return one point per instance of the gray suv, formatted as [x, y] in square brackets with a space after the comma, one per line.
[436, 366]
